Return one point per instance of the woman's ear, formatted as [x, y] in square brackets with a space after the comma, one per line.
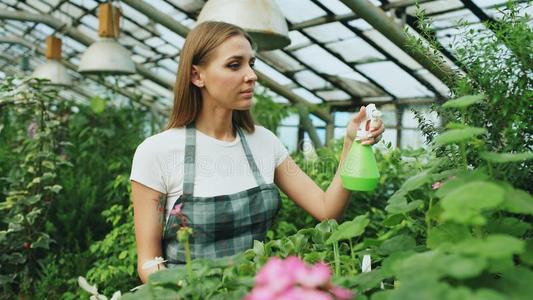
[196, 77]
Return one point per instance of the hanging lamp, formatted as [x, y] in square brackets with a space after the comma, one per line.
[53, 69]
[107, 56]
[262, 19]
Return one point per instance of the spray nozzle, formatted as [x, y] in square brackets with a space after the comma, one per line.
[369, 122]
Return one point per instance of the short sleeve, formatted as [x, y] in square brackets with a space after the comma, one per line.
[280, 151]
[146, 167]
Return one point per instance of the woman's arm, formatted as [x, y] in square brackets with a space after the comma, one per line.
[148, 226]
[307, 194]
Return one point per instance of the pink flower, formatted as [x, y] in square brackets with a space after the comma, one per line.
[298, 293]
[313, 276]
[275, 276]
[293, 279]
[177, 210]
[341, 294]
[260, 293]
[436, 185]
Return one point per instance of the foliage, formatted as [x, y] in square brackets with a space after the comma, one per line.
[31, 183]
[498, 74]
[268, 113]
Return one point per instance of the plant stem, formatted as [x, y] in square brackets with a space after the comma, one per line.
[463, 154]
[428, 219]
[188, 260]
[351, 252]
[337, 258]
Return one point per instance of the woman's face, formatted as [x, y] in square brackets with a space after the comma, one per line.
[228, 78]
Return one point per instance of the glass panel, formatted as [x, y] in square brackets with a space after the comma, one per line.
[299, 10]
[330, 32]
[355, 50]
[395, 80]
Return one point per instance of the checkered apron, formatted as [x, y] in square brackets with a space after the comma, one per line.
[222, 225]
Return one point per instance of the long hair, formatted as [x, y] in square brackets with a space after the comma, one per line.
[197, 50]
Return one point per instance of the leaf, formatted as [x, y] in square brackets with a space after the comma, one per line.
[402, 207]
[506, 157]
[393, 220]
[350, 229]
[516, 283]
[415, 182]
[527, 256]
[396, 244]
[518, 201]
[54, 189]
[464, 101]
[493, 246]
[91, 289]
[43, 241]
[462, 267]
[447, 233]
[369, 280]
[509, 225]
[453, 136]
[97, 105]
[465, 203]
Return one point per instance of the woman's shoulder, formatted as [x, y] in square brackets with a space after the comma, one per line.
[163, 141]
[263, 132]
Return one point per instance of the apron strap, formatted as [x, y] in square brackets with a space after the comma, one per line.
[190, 158]
[253, 166]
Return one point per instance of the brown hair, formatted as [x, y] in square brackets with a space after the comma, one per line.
[198, 47]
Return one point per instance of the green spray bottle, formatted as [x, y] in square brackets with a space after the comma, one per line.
[360, 170]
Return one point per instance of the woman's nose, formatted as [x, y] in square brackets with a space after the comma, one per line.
[250, 76]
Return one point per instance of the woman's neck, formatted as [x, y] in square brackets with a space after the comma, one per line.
[216, 122]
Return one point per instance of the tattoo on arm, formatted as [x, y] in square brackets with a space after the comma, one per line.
[161, 205]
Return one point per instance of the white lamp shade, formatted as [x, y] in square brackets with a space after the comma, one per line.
[106, 56]
[262, 19]
[54, 71]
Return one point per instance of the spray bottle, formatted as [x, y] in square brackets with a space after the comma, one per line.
[360, 170]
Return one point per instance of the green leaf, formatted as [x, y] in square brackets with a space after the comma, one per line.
[462, 267]
[527, 256]
[518, 201]
[396, 244]
[393, 220]
[464, 101]
[43, 241]
[493, 246]
[506, 157]
[98, 105]
[123, 254]
[453, 136]
[350, 229]
[401, 206]
[369, 280]
[447, 233]
[516, 283]
[54, 189]
[465, 203]
[508, 225]
[415, 182]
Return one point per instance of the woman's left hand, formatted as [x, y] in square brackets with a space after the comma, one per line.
[353, 127]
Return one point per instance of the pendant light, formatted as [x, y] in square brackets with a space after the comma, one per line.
[262, 19]
[53, 69]
[107, 56]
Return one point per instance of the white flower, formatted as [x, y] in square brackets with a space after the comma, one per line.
[82, 282]
[116, 295]
[367, 264]
[154, 262]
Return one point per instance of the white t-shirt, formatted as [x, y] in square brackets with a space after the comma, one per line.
[221, 166]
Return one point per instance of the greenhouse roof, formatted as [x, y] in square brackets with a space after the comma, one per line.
[334, 56]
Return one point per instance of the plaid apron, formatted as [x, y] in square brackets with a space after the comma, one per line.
[222, 225]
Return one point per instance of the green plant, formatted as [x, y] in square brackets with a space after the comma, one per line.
[38, 117]
[268, 113]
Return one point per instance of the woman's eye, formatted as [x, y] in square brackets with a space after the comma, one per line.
[252, 65]
[234, 66]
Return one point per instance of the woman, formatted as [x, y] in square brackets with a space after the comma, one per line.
[214, 164]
